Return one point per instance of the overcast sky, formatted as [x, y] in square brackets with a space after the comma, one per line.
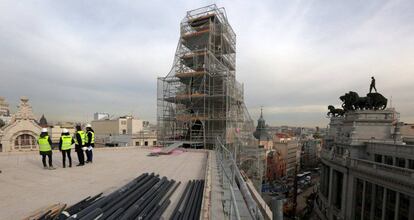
[74, 58]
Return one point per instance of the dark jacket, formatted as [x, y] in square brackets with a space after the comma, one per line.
[60, 141]
[78, 147]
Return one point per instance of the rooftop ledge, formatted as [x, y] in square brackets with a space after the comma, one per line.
[386, 172]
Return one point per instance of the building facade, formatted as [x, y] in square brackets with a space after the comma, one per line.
[288, 147]
[4, 112]
[145, 138]
[124, 131]
[262, 135]
[407, 133]
[4, 107]
[120, 126]
[367, 170]
[275, 165]
[22, 131]
[100, 116]
[310, 153]
[43, 122]
[55, 131]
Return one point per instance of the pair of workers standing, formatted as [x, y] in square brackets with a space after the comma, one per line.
[84, 143]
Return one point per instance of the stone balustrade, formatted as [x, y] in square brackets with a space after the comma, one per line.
[370, 166]
[379, 168]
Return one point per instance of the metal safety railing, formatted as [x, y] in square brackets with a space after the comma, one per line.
[227, 167]
[233, 183]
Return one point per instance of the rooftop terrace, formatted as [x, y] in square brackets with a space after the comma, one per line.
[26, 187]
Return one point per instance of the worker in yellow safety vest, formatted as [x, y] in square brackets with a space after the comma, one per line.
[45, 148]
[65, 146]
[90, 143]
[80, 144]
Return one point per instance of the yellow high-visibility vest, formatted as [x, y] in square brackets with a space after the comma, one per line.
[66, 142]
[82, 135]
[44, 143]
[92, 138]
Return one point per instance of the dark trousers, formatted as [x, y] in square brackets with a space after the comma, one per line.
[49, 155]
[372, 87]
[89, 155]
[81, 156]
[64, 153]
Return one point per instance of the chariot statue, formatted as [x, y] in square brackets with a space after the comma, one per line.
[373, 100]
[352, 101]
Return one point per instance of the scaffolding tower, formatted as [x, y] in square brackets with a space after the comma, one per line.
[200, 99]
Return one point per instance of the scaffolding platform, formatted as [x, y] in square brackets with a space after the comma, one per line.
[200, 99]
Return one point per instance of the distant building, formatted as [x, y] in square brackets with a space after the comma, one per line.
[407, 133]
[55, 131]
[146, 124]
[275, 165]
[310, 153]
[4, 112]
[124, 131]
[123, 125]
[145, 138]
[22, 131]
[43, 122]
[100, 116]
[287, 145]
[262, 135]
[142, 139]
[4, 107]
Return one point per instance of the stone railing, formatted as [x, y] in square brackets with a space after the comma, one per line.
[380, 167]
[361, 141]
[390, 149]
[369, 166]
[333, 157]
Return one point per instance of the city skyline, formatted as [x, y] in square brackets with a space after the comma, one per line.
[78, 58]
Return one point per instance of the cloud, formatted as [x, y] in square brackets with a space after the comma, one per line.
[294, 109]
[74, 58]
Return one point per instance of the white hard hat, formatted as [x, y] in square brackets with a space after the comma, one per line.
[88, 125]
[65, 130]
[44, 129]
[84, 148]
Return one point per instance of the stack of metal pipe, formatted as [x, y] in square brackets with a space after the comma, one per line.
[189, 205]
[146, 197]
[47, 213]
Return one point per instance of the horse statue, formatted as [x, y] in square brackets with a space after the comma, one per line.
[352, 101]
[335, 112]
[377, 101]
[362, 103]
[349, 101]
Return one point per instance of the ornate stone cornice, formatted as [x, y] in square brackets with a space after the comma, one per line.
[24, 112]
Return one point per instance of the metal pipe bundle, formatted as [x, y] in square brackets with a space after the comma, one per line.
[49, 213]
[189, 205]
[145, 197]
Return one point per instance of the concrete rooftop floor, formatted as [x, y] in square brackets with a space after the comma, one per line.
[25, 186]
